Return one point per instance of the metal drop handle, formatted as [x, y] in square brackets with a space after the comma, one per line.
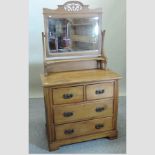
[69, 131]
[67, 96]
[99, 126]
[99, 91]
[100, 109]
[68, 114]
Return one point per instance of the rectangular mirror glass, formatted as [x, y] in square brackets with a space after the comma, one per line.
[72, 34]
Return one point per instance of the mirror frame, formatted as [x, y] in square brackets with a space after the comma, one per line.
[71, 9]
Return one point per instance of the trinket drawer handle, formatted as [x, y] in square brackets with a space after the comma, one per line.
[99, 126]
[99, 91]
[67, 96]
[100, 109]
[69, 131]
[68, 114]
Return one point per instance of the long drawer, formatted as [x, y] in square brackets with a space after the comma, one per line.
[83, 128]
[68, 95]
[99, 91]
[88, 110]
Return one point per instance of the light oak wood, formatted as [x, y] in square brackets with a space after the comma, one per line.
[73, 54]
[55, 118]
[83, 128]
[115, 104]
[55, 145]
[80, 93]
[78, 77]
[71, 66]
[85, 9]
[44, 51]
[83, 111]
[112, 137]
[60, 93]
[49, 116]
[106, 90]
[55, 109]
[73, 60]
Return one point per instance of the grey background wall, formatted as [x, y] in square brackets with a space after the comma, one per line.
[114, 22]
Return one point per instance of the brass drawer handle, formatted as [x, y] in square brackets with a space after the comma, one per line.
[100, 109]
[68, 114]
[99, 91]
[69, 131]
[99, 126]
[67, 96]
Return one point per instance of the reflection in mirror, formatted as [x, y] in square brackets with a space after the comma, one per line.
[72, 34]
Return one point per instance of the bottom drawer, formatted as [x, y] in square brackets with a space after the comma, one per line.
[83, 128]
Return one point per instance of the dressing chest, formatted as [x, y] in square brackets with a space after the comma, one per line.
[80, 93]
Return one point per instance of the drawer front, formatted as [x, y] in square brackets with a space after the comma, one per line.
[75, 112]
[68, 95]
[83, 128]
[98, 91]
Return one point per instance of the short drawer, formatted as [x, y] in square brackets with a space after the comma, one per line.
[82, 111]
[83, 128]
[98, 91]
[68, 95]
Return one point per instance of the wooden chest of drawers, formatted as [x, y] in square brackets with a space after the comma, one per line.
[80, 106]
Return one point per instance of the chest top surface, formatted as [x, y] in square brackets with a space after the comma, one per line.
[77, 77]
